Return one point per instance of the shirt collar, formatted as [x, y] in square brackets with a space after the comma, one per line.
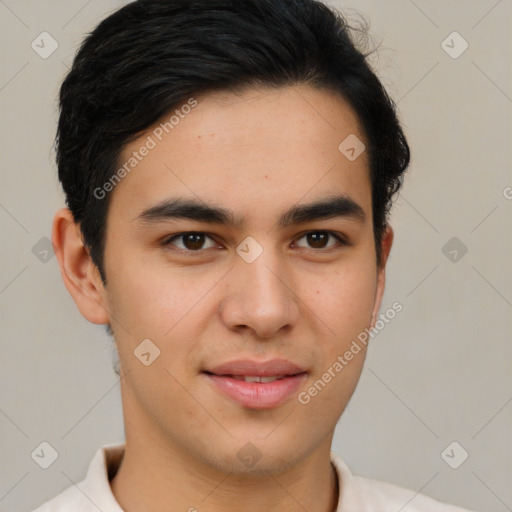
[96, 486]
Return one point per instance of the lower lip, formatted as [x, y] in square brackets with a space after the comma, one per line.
[258, 395]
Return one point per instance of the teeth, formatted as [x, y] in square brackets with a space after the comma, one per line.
[268, 379]
[256, 378]
[249, 378]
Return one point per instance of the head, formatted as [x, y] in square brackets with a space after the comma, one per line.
[227, 120]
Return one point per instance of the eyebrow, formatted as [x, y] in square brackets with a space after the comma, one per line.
[181, 208]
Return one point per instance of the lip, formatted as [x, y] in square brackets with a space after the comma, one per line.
[257, 368]
[257, 395]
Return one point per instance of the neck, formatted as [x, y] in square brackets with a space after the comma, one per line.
[159, 477]
[159, 474]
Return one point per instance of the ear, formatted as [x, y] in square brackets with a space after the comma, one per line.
[80, 275]
[386, 243]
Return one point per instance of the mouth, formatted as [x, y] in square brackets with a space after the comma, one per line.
[256, 384]
[254, 378]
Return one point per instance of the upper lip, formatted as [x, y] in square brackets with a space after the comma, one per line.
[257, 368]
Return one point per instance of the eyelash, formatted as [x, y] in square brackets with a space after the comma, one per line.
[341, 240]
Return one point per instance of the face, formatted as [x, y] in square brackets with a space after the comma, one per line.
[254, 271]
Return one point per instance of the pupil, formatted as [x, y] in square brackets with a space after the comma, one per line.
[194, 241]
[317, 240]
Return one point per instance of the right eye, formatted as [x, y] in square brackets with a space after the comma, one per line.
[191, 241]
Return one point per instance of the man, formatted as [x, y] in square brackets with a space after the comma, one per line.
[228, 169]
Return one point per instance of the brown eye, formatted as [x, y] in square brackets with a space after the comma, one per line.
[193, 241]
[190, 241]
[320, 240]
[317, 240]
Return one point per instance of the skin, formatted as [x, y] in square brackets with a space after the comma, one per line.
[258, 153]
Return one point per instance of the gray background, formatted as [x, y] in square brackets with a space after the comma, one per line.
[439, 372]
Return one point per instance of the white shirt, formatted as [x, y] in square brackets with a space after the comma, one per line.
[357, 494]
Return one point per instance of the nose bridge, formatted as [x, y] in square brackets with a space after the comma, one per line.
[265, 281]
[261, 298]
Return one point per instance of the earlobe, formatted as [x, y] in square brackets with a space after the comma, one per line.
[386, 243]
[77, 269]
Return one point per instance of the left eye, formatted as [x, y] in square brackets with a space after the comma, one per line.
[319, 239]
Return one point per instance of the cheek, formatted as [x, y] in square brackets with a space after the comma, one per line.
[151, 299]
[344, 299]
[342, 311]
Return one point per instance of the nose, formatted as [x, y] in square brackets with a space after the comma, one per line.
[260, 299]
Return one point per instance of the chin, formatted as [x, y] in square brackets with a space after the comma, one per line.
[259, 455]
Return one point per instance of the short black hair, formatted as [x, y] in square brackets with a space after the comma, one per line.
[145, 59]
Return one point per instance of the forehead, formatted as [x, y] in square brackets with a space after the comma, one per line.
[246, 149]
